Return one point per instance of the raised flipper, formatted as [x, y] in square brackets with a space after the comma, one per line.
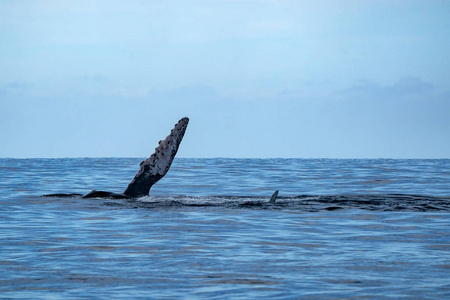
[156, 166]
[274, 197]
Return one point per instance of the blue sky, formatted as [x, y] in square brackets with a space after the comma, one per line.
[257, 78]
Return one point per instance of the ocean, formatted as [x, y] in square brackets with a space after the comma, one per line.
[339, 229]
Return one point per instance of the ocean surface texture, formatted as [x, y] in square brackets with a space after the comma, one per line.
[352, 229]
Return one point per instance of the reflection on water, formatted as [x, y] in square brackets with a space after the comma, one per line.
[346, 244]
[216, 251]
[256, 177]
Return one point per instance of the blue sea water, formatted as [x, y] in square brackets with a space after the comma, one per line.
[352, 229]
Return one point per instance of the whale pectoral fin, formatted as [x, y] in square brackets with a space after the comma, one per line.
[274, 197]
[157, 165]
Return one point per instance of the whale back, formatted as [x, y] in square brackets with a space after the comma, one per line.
[157, 165]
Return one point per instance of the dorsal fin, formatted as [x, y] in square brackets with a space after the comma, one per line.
[156, 166]
[274, 197]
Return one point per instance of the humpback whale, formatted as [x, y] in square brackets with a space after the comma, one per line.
[150, 171]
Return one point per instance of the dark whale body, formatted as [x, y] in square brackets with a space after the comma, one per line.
[150, 171]
[103, 194]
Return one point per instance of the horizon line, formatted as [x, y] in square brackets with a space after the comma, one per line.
[223, 157]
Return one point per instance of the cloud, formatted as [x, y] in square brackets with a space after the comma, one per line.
[405, 86]
[19, 85]
[16, 87]
[411, 85]
[93, 78]
[192, 92]
[186, 93]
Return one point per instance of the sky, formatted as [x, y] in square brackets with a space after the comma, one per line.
[257, 78]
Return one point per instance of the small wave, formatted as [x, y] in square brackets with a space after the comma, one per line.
[309, 203]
